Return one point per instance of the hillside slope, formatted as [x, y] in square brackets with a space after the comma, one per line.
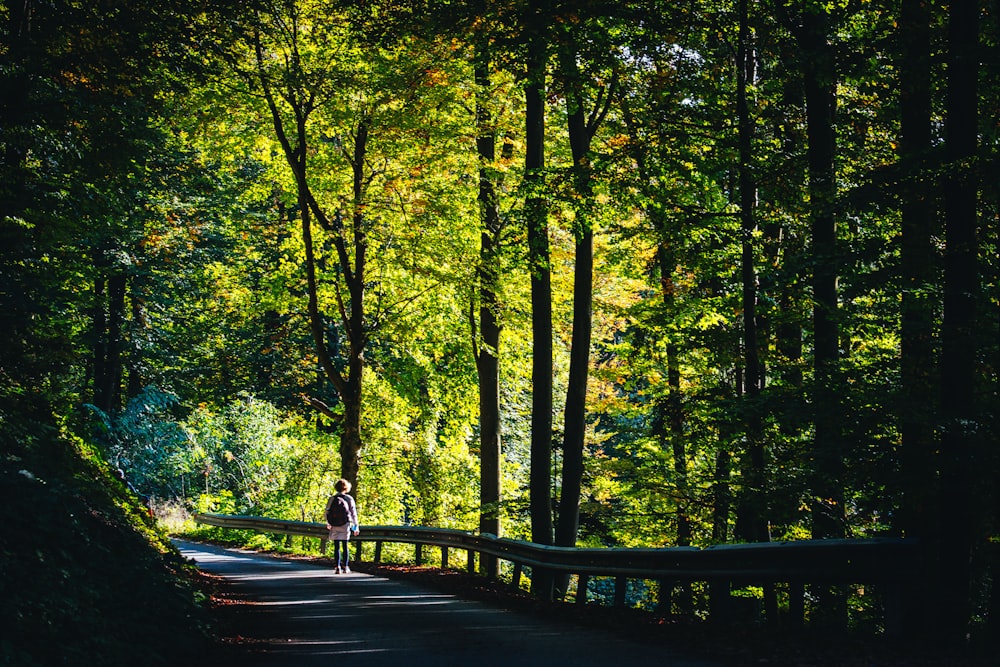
[84, 577]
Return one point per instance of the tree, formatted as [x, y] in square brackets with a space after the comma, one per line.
[536, 214]
[960, 421]
[78, 127]
[343, 115]
[752, 522]
[819, 74]
[919, 273]
[582, 125]
[487, 352]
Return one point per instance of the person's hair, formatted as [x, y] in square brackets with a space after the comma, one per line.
[342, 485]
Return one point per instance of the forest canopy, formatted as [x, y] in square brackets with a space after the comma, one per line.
[593, 273]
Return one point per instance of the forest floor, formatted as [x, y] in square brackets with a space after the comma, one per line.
[734, 645]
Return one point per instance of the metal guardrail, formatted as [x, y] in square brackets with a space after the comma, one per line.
[889, 562]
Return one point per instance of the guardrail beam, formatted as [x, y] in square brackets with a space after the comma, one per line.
[889, 563]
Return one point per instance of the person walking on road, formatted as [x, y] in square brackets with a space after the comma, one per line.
[342, 522]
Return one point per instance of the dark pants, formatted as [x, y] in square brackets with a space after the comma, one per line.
[339, 545]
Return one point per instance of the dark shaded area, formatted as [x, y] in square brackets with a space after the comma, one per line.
[738, 645]
[746, 644]
[84, 578]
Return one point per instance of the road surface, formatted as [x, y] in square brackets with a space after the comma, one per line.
[298, 613]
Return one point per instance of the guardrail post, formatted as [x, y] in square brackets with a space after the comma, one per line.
[471, 565]
[515, 579]
[444, 558]
[718, 600]
[357, 551]
[771, 604]
[621, 589]
[895, 609]
[797, 604]
[378, 551]
[664, 598]
[489, 566]
[581, 588]
[322, 545]
[418, 552]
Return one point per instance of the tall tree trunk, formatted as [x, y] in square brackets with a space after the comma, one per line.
[721, 496]
[117, 288]
[820, 91]
[541, 293]
[353, 264]
[137, 325]
[752, 520]
[958, 335]
[108, 325]
[827, 474]
[353, 316]
[917, 360]
[575, 416]
[99, 324]
[672, 408]
[487, 352]
[754, 500]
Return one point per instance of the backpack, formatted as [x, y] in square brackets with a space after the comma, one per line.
[339, 513]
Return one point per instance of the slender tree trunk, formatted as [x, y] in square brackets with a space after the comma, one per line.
[959, 347]
[99, 324]
[541, 295]
[917, 359]
[827, 474]
[137, 324]
[352, 313]
[583, 291]
[721, 496]
[108, 328]
[675, 438]
[354, 318]
[487, 357]
[918, 268]
[755, 503]
[672, 412]
[351, 248]
[117, 288]
[820, 89]
[752, 521]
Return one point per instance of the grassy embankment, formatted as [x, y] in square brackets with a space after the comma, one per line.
[85, 577]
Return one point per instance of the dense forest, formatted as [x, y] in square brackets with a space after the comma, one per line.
[629, 273]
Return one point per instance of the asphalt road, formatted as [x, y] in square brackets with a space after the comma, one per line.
[295, 612]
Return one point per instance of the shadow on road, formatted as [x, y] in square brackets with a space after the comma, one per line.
[291, 612]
